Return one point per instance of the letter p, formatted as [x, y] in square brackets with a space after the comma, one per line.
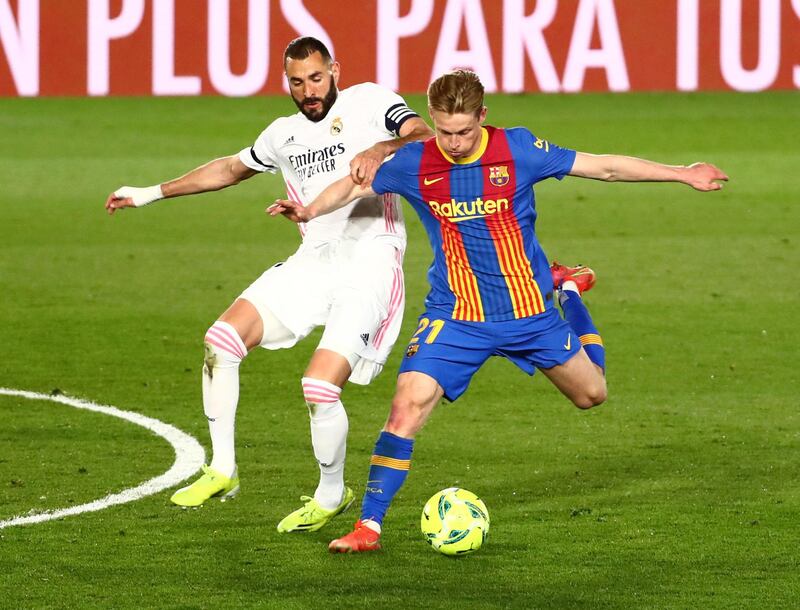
[102, 29]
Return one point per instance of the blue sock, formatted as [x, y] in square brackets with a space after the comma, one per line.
[577, 315]
[387, 473]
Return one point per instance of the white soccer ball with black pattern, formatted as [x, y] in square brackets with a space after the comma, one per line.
[455, 521]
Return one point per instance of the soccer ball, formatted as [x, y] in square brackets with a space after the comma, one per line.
[455, 521]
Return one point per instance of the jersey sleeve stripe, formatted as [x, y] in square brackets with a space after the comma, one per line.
[259, 161]
[397, 110]
[396, 116]
[410, 115]
[401, 118]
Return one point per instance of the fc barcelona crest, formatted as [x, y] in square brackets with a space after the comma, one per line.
[336, 126]
[412, 349]
[498, 175]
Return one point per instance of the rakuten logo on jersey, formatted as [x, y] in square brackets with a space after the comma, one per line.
[456, 211]
[313, 162]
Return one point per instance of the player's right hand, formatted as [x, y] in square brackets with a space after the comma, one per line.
[132, 197]
[293, 210]
[114, 202]
[365, 164]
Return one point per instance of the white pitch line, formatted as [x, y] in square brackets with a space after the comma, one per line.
[189, 456]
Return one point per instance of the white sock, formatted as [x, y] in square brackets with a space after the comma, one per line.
[224, 351]
[567, 286]
[373, 525]
[329, 427]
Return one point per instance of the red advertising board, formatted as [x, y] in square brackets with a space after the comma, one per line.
[235, 47]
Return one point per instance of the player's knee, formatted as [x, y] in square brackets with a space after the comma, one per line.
[223, 348]
[593, 395]
[320, 396]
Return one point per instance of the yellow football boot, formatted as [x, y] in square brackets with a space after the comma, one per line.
[311, 516]
[211, 485]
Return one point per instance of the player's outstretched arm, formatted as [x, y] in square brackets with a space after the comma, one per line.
[617, 168]
[212, 176]
[337, 195]
[365, 164]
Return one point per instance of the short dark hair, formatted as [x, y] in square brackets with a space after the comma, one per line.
[305, 46]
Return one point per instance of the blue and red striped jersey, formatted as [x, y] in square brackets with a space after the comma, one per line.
[480, 215]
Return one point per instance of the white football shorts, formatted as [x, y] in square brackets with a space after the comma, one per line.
[354, 289]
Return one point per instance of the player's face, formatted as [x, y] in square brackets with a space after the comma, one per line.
[312, 83]
[459, 135]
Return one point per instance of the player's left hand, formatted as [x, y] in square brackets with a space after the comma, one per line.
[293, 210]
[365, 165]
[705, 177]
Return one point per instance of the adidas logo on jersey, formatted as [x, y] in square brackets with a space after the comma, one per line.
[289, 141]
[365, 338]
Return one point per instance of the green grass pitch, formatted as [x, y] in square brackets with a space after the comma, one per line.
[680, 492]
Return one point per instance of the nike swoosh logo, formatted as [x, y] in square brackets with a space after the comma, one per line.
[568, 344]
[434, 181]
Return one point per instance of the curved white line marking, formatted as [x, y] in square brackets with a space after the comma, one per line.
[189, 456]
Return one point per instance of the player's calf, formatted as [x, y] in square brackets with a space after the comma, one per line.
[413, 402]
[224, 351]
[329, 427]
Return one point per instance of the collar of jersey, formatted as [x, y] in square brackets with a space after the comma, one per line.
[473, 157]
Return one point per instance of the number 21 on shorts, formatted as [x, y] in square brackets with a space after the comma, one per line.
[433, 329]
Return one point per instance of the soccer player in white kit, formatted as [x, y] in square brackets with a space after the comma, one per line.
[347, 274]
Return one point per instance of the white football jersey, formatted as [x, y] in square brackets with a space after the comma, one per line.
[311, 156]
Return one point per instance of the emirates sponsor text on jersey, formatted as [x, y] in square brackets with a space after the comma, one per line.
[317, 161]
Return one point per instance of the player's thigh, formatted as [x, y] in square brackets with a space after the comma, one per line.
[579, 379]
[539, 342]
[351, 324]
[449, 351]
[415, 398]
[294, 295]
[365, 314]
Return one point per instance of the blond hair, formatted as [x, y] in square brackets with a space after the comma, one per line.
[457, 92]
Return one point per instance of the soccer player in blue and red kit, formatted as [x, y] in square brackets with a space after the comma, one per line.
[491, 285]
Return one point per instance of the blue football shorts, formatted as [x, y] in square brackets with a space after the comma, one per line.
[452, 351]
